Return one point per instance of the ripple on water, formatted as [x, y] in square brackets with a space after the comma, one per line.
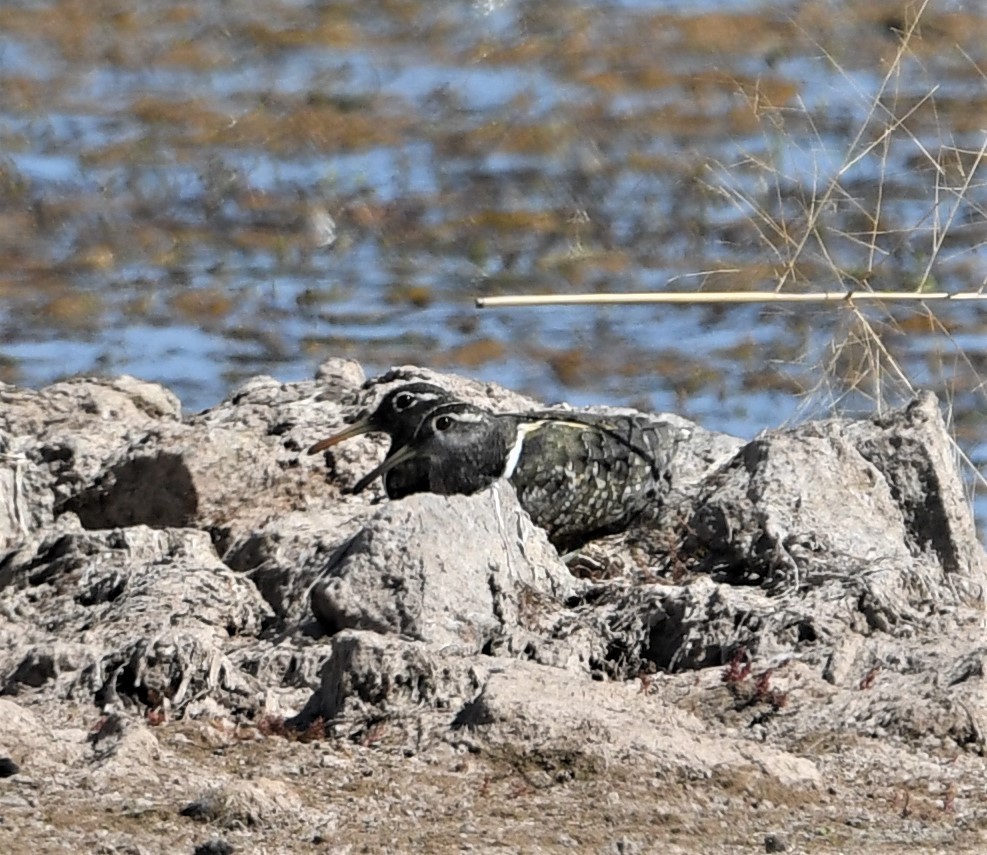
[161, 172]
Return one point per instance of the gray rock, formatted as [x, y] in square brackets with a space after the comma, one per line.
[179, 476]
[534, 705]
[371, 675]
[26, 499]
[131, 614]
[55, 440]
[288, 555]
[912, 450]
[171, 589]
[876, 505]
[27, 738]
[452, 571]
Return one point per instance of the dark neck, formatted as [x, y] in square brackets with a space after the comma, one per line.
[476, 459]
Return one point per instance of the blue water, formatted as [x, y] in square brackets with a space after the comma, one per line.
[486, 113]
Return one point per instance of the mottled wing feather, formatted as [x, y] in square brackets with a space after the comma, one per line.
[585, 475]
[650, 440]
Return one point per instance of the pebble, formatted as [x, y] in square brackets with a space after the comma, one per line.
[775, 843]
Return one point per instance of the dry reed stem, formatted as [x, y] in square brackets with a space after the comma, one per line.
[724, 297]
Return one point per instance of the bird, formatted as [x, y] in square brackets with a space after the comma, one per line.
[399, 415]
[579, 475]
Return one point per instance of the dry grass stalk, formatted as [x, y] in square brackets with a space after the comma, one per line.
[724, 297]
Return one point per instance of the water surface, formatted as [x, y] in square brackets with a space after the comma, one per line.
[198, 192]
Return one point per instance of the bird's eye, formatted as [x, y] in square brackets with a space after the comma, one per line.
[443, 423]
[403, 400]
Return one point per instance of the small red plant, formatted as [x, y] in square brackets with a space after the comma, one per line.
[272, 725]
[868, 679]
[738, 669]
[749, 688]
[949, 799]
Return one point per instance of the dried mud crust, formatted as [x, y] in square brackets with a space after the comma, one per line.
[270, 794]
[207, 643]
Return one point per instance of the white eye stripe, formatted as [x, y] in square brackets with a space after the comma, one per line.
[470, 418]
[443, 422]
[405, 400]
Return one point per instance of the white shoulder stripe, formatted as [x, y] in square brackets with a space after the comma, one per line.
[523, 430]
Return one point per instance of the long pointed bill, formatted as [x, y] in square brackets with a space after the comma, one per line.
[400, 456]
[359, 427]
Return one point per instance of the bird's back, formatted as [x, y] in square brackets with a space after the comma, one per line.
[582, 476]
